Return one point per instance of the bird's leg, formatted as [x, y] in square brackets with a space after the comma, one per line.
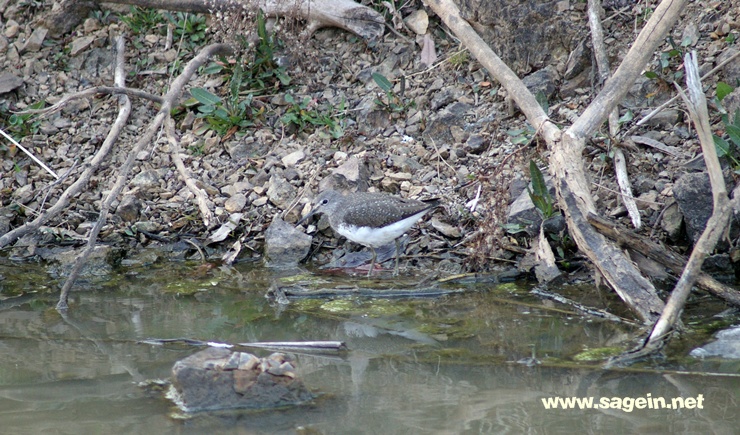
[372, 262]
[398, 252]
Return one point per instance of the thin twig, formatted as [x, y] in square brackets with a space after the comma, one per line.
[93, 165]
[29, 154]
[95, 91]
[201, 197]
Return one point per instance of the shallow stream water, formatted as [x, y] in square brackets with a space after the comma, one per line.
[485, 360]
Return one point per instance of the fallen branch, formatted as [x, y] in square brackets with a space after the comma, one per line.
[620, 162]
[304, 346]
[589, 311]
[87, 93]
[168, 101]
[720, 219]
[667, 258]
[94, 164]
[200, 196]
[28, 153]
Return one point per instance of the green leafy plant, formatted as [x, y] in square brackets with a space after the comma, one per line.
[521, 135]
[459, 59]
[729, 147]
[225, 114]
[539, 194]
[670, 62]
[264, 70]
[189, 28]
[143, 20]
[234, 111]
[20, 125]
[304, 113]
[393, 102]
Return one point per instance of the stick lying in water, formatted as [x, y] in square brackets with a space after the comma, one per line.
[306, 346]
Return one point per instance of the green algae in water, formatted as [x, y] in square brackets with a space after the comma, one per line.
[450, 328]
[598, 354]
[372, 308]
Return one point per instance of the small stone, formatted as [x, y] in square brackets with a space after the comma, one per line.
[128, 209]
[9, 82]
[11, 29]
[235, 203]
[34, 42]
[400, 176]
[418, 21]
[293, 158]
[280, 192]
[147, 178]
[91, 25]
[445, 228]
[475, 144]
[80, 44]
[671, 221]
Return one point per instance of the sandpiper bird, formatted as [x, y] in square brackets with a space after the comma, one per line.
[370, 219]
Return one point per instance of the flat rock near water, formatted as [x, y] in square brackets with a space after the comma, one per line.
[217, 379]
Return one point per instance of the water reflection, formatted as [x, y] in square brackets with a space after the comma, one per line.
[442, 366]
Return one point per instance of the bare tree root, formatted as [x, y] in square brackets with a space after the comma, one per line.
[164, 112]
[98, 158]
[87, 93]
[567, 146]
[344, 14]
[200, 196]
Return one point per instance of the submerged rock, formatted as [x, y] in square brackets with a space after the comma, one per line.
[217, 379]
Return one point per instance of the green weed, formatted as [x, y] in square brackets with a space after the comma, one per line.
[263, 75]
[20, 125]
[305, 113]
[394, 103]
[670, 62]
[521, 136]
[144, 20]
[539, 194]
[224, 114]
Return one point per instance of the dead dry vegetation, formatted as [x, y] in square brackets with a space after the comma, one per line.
[226, 123]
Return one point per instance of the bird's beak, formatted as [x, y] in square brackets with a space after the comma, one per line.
[305, 218]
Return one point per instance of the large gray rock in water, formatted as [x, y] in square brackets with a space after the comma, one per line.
[216, 378]
[284, 244]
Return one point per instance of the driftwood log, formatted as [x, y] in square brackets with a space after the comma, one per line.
[344, 14]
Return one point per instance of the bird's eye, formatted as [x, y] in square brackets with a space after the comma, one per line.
[325, 201]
